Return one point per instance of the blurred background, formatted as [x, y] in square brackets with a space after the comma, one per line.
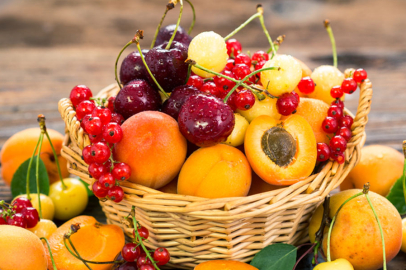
[49, 46]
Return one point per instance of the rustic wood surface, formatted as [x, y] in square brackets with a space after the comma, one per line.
[48, 46]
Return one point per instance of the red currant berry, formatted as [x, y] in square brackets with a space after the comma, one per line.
[349, 86]
[233, 47]
[110, 104]
[330, 125]
[103, 113]
[100, 152]
[240, 71]
[31, 216]
[147, 267]
[210, 87]
[108, 165]
[345, 132]
[80, 93]
[116, 194]
[85, 107]
[338, 144]
[143, 259]
[230, 64]
[346, 121]
[323, 152]
[338, 103]
[130, 252]
[96, 138]
[297, 97]
[20, 203]
[336, 92]
[338, 156]
[112, 133]
[98, 190]
[335, 112]
[117, 118]
[121, 171]
[96, 170]
[94, 126]
[242, 58]
[84, 120]
[107, 181]
[360, 75]
[87, 154]
[258, 66]
[244, 100]
[161, 256]
[287, 104]
[259, 56]
[306, 85]
[18, 220]
[230, 100]
[224, 84]
[143, 232]
[195, 81]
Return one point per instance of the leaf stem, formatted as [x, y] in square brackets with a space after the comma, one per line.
[194, 17]
[50, 253]
[176, 28]
[250, 19]
[41, 136]
[56, 161]
[118, 57]
[29, 169]
[332, 39]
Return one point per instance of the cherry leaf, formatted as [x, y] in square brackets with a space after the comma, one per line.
[276, 257]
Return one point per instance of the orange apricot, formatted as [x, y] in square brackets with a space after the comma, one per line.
[153, 147]
[281, 153]
[215, 172]
[171, 188]
[94, 242]
[19, 147]
[224, 265]
[260, 186]
[380, 165]
[21, 249]
[314, 111]
[306, 71]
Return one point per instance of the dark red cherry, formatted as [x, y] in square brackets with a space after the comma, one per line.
[137, 96]
[165, 34]
[133, 68]
[168, 66]
[175, 102]
[206, 120]
[18, 220]
[31, 216]
[80, 93]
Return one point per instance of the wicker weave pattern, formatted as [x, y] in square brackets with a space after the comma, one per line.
[196, 229]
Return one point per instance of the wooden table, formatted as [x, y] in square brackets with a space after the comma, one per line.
[48, 46]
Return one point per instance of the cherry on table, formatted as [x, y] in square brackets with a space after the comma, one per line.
[80, 93]
[178, 97]
[165, 34]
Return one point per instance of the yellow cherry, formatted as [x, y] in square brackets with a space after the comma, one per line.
[236, 137]
[339, 264]
[44, 228]
[47, 205]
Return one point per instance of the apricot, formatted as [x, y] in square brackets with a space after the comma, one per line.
[380, 165]
[19, 147]
[281, 153]
[325, 77]
[306, 71]
[153, 147]
[314, 111]
[171, 188]
[403, 248]
[94, 242]
[260, 186]
[355, 235]
[44, 228]
[215, 172]
[224, 265]
[20, 249]
[47, 205]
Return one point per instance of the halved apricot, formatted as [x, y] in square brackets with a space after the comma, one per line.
[281, 152]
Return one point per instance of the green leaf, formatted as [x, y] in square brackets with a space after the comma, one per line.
[276, 257]
[18, 183]
[89, 192]
[396, 196]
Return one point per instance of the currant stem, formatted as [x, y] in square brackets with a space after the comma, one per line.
[118, 57]
[261, 19]
[332, 39]
[138, 238]
[380, 230]
[29, 169]
[250, 19]
[333, 221]
[176, 28]
[194, 17]
[50, 253]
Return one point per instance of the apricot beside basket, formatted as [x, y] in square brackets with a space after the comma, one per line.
[196, 229]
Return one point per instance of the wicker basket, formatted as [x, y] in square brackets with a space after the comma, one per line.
[196, 229]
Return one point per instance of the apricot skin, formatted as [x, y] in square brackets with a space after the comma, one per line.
[224, 265]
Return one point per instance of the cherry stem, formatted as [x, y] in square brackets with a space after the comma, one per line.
[56, 161]
[261, 19]
[333, 41]
[189, 71]
[304, 254]
[380, 230]
[29, 169]
[176, 28]
[316, 252]
[250, 19]
[50, 253]
[404, 170]
[149, 71]
[138, 239]
[118, 57]
[333, 221]
[37, 175]
[194, 17]
[168, 7]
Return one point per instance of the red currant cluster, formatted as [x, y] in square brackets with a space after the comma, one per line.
[20, 213]
[102, 124]
[337, 123]
[134, 254]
